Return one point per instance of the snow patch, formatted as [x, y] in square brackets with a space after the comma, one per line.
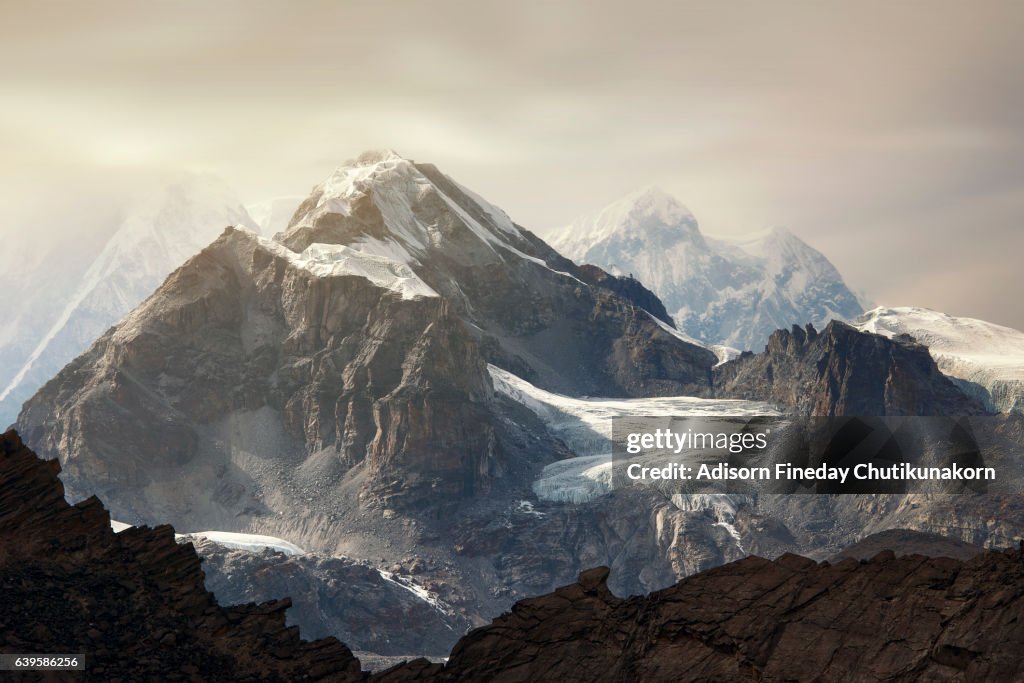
[248, 542]
[390, 271]
[417, 590]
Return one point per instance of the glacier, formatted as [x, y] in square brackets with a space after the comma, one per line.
[585, 425]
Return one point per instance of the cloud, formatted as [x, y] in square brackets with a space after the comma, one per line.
[870, 129]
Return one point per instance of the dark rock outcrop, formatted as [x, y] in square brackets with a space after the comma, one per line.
[895, 619]
[843, 371]
[133, 603]
[628, 288]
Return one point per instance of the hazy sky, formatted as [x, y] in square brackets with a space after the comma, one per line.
[889, 135]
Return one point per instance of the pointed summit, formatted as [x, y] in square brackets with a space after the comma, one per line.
[644, 219]
[733, 293]
[654, 202]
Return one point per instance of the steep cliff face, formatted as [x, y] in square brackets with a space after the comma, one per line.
[247, 350]
[896, 619]
[534, 312]
[133, 603]
[843, 371]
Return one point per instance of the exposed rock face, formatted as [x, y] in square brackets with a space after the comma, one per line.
[843, 371]
[531, 308]
[333, 596]
[133, 603]
[242, 343]
[910, 618]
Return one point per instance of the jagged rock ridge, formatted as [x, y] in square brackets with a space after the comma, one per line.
[896, 619]
[843, 371]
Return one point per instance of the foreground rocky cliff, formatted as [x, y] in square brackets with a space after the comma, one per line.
[896, 619]
[133, 603]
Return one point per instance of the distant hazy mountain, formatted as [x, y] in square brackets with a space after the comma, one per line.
[988, 359]
[272, 215]
[734, 293]
[156, 233]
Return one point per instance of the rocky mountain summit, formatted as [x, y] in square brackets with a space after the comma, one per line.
[843, 371]
[362, 341]
[733, 293]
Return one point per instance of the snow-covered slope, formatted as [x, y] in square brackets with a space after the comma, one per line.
[158, 232]
[733, 293]
[988, 359]
[401, 191]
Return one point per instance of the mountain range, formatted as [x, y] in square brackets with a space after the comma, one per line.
[733, 293]
[405, 377]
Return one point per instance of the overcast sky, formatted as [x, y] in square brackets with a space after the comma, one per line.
[888, 135]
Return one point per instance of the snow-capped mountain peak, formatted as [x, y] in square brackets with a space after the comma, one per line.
[355, 177]
[641, 217]
[385, 205]
[730, 292]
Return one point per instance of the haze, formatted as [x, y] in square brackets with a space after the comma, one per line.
[888, 135]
